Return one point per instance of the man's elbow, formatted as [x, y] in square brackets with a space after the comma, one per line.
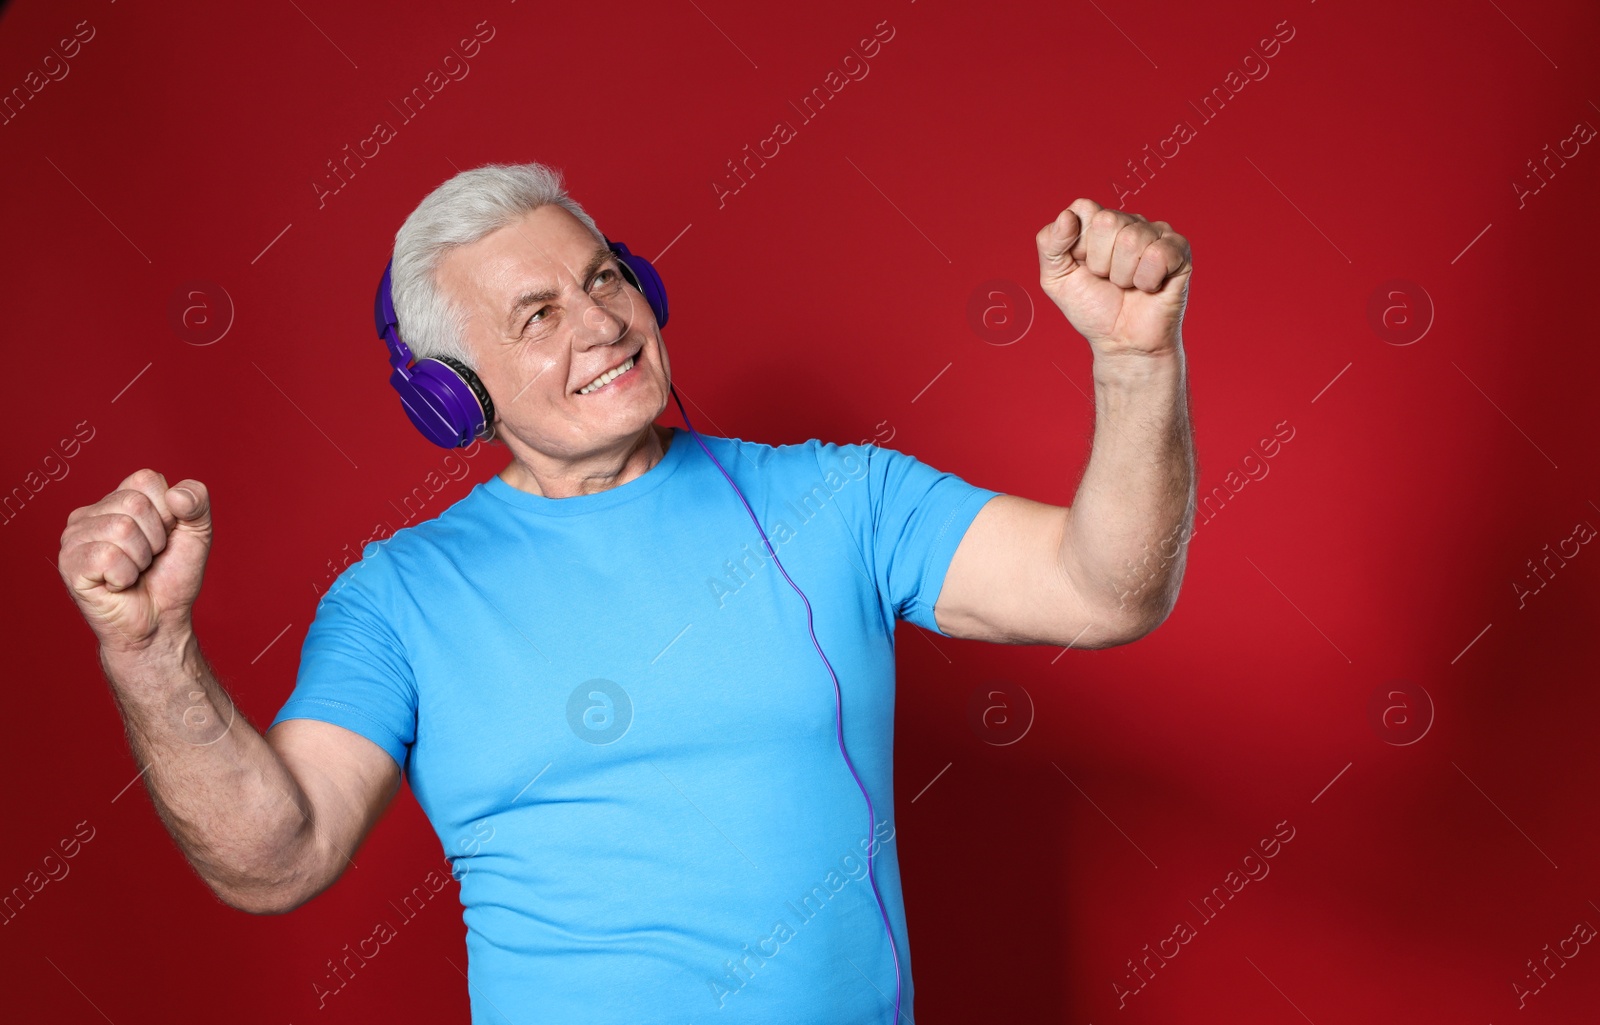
[258, 901]
[1148, 625]
[265, 891]
[1125, 625]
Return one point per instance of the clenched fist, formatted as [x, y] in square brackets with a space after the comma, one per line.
[133, 561]
[1121, 280]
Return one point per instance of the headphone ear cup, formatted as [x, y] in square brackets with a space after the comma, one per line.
[645, 278]
[446, 401]
[479, 392]
[629, 273]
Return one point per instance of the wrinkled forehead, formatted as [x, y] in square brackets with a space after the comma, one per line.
[546, 250]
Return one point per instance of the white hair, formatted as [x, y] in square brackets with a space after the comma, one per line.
[459, 212]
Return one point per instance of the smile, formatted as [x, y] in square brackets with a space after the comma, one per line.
[609, 376]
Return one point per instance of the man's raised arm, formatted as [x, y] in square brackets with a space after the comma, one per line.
[1107, 569]
[267, 825]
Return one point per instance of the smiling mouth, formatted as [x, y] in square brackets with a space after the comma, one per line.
[610, 375]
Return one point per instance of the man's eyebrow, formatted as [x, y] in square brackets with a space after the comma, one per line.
[596, 259]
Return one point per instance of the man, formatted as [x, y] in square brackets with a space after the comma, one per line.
[607, 702]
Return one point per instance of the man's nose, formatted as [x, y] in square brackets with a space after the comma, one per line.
[601, 323]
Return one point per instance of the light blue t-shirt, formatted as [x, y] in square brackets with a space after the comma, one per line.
[611, 711]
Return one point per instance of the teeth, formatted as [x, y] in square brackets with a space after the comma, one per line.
[606, 378]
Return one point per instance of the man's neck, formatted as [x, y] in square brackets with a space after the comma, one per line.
[537, 474]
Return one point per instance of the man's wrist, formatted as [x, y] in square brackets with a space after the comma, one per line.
[1132, 368]
[171, 652]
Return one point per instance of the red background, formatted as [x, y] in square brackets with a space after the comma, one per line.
[820, 301]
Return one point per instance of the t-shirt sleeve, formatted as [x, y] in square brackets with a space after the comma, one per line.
[914, 519]
[354, 673]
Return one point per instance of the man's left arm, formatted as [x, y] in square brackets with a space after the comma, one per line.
[1105, 570]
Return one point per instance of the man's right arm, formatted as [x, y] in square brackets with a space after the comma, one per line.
[267, 822]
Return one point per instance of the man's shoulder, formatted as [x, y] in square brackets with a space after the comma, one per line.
[385, 555]
[448, 527]
[808, 457]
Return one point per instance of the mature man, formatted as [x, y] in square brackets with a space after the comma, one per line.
[606, 701]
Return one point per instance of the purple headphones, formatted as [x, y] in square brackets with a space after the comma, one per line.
[443, 398]
[450, 406]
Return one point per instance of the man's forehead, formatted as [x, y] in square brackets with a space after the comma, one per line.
[523, 255]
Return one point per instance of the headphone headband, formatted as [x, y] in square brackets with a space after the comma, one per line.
[442, 397]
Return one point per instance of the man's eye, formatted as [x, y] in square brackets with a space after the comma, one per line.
[537, 316]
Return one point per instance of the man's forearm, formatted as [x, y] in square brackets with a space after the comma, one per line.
[1128, 526]
[224, 794]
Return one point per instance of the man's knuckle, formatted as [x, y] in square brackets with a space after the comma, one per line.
[100, 554]
[1134, 236]
[124, 528]
[131, 502]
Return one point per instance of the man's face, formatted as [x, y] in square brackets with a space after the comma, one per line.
[547, 312]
